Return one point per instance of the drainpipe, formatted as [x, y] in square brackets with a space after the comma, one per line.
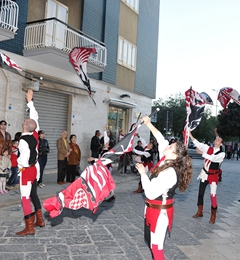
[7, 95]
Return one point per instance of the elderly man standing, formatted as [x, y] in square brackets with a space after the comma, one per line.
[64, 150]
[213, 157]
[29, 170]
[5, 137]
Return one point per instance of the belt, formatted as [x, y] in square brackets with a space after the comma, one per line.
[157, 206]
[30, 165]
[210, 173]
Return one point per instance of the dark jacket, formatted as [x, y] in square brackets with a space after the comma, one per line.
[43, 147]
[95, 144]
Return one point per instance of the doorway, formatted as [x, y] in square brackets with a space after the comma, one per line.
[117, 122]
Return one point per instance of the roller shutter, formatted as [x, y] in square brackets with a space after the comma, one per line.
[52, 109]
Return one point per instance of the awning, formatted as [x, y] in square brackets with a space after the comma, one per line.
[121, 103]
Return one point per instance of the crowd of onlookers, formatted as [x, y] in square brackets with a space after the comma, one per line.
[231, 150]
[9, 153]
[8, 159]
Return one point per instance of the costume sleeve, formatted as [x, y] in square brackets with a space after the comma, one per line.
[202, 147]
[106, 138]
[23, 159]
[33, 114]
[214, 157]
[145, 153]
[159, 185]
[162, 143]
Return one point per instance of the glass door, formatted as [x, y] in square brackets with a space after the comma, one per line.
[117, 123]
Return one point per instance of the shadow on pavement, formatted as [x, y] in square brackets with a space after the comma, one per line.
[78, 213]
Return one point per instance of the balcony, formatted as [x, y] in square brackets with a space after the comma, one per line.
[8, 19]
[50, 41]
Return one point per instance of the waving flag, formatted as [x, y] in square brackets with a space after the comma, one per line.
[195, 105]
[207, 98]
[94, 185]
[226, 94]
[5, 60]
[88, 191]
[78, 57]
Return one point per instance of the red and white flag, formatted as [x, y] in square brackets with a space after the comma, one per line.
[195, 105]
[226, 94]
[88, 191]
[78, 57]
[9, 62]
[94, 185]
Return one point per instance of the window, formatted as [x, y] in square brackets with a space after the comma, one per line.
[133, 4]
[126, 54]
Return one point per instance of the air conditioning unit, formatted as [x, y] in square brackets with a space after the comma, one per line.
[34, 85]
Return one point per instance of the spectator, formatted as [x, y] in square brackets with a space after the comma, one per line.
[73, 159]
[238, 152]
[43, 150]
[63, 152]
[5, 166]
[13, 181]
[229, 151]
[234, 149]
[17, 136]
[95, 146]
[5, 137]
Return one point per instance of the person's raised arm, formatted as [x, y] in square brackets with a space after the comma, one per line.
[191, 136]
[33, 114]
[147, 121]
[215, 132]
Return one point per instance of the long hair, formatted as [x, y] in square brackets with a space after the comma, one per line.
[182, 165]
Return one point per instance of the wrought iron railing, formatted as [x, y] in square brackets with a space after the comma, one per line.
[58, 35]
[9, 15]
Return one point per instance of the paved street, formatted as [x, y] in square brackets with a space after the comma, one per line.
[116, 231]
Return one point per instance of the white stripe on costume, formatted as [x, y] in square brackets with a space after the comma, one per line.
[25, 189]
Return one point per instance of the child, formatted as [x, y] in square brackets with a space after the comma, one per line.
[13, 181]
[5, 166]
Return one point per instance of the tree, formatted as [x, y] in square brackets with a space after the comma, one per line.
[177, 105]
[229, 122]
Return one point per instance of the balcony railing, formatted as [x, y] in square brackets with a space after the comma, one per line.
[9, 15]
[55, 34]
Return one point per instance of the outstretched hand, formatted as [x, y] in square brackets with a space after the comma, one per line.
[146, 120]
[29, 95]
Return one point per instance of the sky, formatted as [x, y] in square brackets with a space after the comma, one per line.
[199, 46]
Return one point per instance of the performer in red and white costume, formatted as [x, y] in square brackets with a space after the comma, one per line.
[173, 170]
[213, 157]
[29, 170]
[144, 156]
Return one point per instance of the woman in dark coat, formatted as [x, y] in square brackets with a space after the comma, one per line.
[73, 159]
